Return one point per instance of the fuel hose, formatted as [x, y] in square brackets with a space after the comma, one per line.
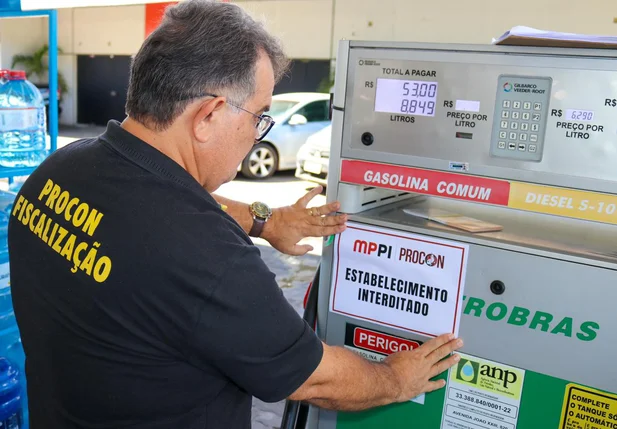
[295, 414]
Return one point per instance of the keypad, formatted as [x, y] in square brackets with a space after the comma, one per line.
[523, 121]
[521, 113]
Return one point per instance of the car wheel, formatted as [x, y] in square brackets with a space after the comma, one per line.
[261, 162]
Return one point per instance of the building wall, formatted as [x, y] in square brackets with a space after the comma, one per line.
[304, 26]
[471, 21]
[108, 30]
[310, 29]
[20, 36]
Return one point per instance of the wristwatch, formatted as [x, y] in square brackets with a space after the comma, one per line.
[261, 212]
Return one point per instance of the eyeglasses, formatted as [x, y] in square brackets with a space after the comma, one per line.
[263, 125]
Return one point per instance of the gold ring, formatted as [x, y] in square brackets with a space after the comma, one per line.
[310, 212]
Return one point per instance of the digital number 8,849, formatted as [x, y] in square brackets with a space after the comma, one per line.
[415, 106]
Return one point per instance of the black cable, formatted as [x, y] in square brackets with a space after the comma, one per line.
[295, 414]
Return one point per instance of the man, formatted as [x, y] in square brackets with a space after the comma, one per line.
[141, 303]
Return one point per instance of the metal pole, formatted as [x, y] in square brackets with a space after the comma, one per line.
[53, 79]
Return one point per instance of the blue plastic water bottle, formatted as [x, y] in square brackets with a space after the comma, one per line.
[11, 409]
[22, 123]
[11, 347]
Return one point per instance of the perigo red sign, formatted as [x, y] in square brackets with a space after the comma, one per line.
[381, 343]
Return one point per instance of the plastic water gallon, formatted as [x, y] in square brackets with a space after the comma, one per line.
[9, 333]
[16, 184]
[22, 123]
[11, 347]
[11, 406]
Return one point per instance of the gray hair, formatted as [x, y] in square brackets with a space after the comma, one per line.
[201, 46]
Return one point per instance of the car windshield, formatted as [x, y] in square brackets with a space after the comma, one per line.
[280, 107]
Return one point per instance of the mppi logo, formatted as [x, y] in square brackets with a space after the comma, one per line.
[470, 371]
[369, 247]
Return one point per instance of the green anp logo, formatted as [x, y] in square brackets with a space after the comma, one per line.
[468, 371]
[489, 376]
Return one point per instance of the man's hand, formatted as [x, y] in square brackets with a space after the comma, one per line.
[415, 368]
[345, 381]
[288, 225]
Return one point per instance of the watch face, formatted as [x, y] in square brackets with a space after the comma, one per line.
[261, 210]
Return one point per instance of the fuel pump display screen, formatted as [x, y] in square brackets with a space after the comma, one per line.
[408, 97]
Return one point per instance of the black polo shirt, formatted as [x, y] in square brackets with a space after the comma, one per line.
[140, 302]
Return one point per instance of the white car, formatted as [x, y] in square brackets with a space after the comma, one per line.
[297, 116]
[314, 157]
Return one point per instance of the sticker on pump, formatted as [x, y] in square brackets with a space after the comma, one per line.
[428, 182]
[584, 407]
[398, 279]
[482, 394]
[376, 346]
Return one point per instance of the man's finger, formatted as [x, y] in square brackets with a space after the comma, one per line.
[327, 208]
[432, 345]
[324, 231]
[443, 365]
[297, 249]
[309, 196]
[328, 220]
[444, 350]
[434, 385]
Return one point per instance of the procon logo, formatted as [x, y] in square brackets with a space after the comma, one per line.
[507, 87]
[470, 371]
[369, 247]
[419, 257]
[412, 256]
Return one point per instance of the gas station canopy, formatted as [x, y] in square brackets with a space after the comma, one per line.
[59, 4]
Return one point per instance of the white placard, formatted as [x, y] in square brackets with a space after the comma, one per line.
[482, 394]
[398, 279]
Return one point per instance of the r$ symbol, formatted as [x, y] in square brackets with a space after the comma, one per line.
[557, 112]
[448, 103]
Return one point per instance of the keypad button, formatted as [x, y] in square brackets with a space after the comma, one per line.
[526, 105]
[513, 136]
[536, 117]
[505, 114]
[526, 116]
[506, 103]
[535, 127]
[524, 126]
[511, 146]
[532, 148]
[522, 137]
[516, 105]
[504, 124]
[522, 147]
[514, 125]
[501, 145]
[537, 106]
[516, 115]
[503, 134]
[533, 138]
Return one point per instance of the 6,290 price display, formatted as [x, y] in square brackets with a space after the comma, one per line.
[408, 97]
